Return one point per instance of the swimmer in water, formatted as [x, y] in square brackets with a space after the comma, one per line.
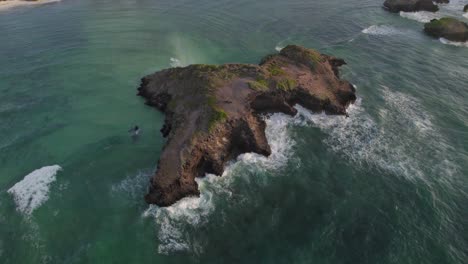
[135, 131]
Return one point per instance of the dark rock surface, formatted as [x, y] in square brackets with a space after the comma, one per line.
[213, 113]
[448, 28]
[396, 6]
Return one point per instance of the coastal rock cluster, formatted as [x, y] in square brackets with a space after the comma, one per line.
[448, 27]
[412, 5]
[215, 113]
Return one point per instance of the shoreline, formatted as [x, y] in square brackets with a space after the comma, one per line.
[6, 5]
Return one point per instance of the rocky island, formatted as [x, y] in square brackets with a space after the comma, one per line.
[396, 6]
[448, 28]
[215, 113]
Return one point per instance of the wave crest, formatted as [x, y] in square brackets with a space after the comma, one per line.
[33, 191]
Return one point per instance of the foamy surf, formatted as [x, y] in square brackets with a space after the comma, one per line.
[453, 43]
[194, 211]
[421, 16]
[364, 140]
[381, 30]
[33, 191]
[175, 62]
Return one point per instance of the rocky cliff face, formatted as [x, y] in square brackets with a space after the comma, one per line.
[214, 113]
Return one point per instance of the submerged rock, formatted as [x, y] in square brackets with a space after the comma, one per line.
[448, 28]
[396, 6]
[214, 113]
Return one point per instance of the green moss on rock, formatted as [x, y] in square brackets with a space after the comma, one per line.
[258, 85]
[286, 84]
[275, 70]
[306, 56]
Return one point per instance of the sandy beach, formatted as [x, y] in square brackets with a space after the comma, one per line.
[4, 5]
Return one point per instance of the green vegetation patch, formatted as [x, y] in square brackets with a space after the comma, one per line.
[286, 84]
[218, 115]
[302, 55]
[275, 70]
[258, 85]
[438, 23]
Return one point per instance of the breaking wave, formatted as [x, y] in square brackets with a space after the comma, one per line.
[194, 211]
[381, 30]
[33, 191]
[383, 144]
[453, 43]
[421, 16]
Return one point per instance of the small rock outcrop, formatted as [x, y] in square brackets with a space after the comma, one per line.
[214, 113]
[396, 6]
[448, 28]
[465, 9]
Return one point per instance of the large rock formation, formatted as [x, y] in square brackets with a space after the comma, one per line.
[448, 28]
[214, 113]
[396, 6]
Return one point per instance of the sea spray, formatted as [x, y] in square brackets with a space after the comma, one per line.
[185, 51]
[193, 212]
[33, 191]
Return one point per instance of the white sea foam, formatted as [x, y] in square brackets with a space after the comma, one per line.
[4, 5]
[279, 48]
[175, 62]
[453, 43]
[421, 16]
[33, 190]
[194, 211]
[382, 30]
[133, 186]
[382, 143]
[465, 14]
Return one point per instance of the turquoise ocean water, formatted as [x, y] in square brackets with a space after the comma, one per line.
[387, 185]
